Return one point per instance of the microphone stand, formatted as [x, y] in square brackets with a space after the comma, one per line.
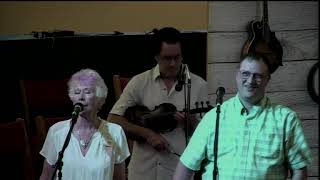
[59, 163]
[187, 87]
[215, 144]
[220, 92]
[187, 109]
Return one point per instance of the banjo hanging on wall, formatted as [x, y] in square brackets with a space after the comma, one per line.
[262, 40]
[313, 83]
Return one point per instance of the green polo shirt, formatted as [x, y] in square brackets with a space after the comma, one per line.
[258, 145]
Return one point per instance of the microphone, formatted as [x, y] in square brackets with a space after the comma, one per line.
[220, 92]
[77, 108]
[187, 72]
[181, 78]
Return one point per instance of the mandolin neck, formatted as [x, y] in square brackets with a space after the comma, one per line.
[265, 21]
[265, 12]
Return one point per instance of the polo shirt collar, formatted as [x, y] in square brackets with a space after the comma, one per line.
[240, 109]
[156, 72]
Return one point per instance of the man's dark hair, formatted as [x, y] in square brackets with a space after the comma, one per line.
[272, 66]
[259, 56]
[168, 35]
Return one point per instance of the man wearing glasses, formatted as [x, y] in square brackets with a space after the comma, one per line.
[257, 139]
[156, 154]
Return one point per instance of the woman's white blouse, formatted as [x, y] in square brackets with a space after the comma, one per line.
[108, 147]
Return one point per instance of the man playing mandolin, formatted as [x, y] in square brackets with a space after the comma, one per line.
[156, 153]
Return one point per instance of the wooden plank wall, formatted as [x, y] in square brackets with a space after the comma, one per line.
[296, 26]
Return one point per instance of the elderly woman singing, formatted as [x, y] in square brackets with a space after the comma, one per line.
[97, 149]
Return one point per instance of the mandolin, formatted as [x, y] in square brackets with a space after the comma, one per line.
[161, 119]
[263, 41]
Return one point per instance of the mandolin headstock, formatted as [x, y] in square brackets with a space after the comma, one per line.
[201, 108]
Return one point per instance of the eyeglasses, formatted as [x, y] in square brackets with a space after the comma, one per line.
[256, 76]
[168, 59]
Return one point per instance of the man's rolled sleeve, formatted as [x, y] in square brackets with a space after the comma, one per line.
[195, 152]
[299, 154]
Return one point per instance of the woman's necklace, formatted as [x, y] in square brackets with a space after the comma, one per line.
[84, 143]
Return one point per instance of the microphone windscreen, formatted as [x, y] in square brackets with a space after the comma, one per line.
[78, 107]
[220, 91]
[178, 86]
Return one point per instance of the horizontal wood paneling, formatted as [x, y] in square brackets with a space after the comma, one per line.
[311, 131]
[293, 15]
[313, 169]
[222, 15]
[297, 45]
[299, 101]
[283, 15]
[291, 76]
[225, 47]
